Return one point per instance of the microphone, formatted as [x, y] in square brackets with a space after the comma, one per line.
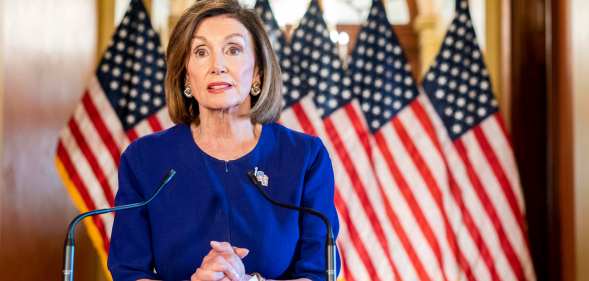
[330, 256]
[68, 251]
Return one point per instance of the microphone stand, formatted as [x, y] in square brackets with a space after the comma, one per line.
[68, 263]
[330, 255]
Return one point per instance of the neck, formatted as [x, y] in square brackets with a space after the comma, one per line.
[224, 125]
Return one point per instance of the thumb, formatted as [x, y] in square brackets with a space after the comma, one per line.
[241, 252]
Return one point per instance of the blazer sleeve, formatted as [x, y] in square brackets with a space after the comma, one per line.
[318, 193]
[130, 255]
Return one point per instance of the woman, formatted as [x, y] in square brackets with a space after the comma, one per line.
[223, 90]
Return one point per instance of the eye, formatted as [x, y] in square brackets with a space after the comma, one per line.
[234, 51]
[201, 52]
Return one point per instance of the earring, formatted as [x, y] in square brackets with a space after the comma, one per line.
[256, 90]
[188, 91]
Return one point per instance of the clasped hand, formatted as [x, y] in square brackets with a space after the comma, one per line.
[222, 263]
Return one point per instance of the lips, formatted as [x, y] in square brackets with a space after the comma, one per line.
[218, 87]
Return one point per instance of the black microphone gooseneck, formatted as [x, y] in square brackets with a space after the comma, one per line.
[330, 256]
[68, 251]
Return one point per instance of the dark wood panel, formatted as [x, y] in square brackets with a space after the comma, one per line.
[530, 92]
[562, 221]
[48, 51]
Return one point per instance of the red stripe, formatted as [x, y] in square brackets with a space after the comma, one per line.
[364, 136]
[89, 155]
[358, 186]
[132, 134]
[303, 119]
[435, 191]
[355, 237]
[360, 129]
[501, 177]
[308, 128]
[154, 123]
[403, 186]
[345, 264]
[490, 210]
[503, 127]
[105, 134]
[475, 234]
[64, 157]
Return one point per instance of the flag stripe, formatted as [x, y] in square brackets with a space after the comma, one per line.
[413, 153]
[64, 158]
[304, 123]
[425, 156]
[423, 118]
[96, 169]
[303, 119]
[426, 173]
[489, 209]
[359, 246]
[346, 262]
[337, 123]
[97, 148]
[359, 187]
[507, 161]
[154, 123]
[393, 169]
[132, 134]
[506, 186]
[496, 195]
[101, 128]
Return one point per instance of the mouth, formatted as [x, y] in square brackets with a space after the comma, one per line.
[218, 87]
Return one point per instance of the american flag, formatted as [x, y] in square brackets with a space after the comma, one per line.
[405, 157]
[319, 102]
[477, 148]
[124, 100]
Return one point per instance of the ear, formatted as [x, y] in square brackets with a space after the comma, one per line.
[257, 76]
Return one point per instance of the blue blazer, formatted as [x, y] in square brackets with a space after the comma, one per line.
[211, 199]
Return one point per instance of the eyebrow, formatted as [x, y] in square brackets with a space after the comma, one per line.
[226, 37]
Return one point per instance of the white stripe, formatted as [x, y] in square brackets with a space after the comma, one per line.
[108, 115]
[97, 147]
[422, 197]
[498, 141]
[163, 118]
[352, 260]
[361, 164]
[355, 208]
[478, 214]
[515, 234]
[464, 236]
[288, 119]
[80, 164]
[143, 128]
[437, 167]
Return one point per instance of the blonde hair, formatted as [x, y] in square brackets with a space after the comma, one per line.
[265, 107]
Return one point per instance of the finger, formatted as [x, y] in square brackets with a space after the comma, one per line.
[220, 264]
[224, 247]
[202, 274]
[241, 252]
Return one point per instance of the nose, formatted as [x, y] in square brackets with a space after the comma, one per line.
[218, 65]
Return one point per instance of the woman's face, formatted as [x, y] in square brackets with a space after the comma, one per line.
[221, 67]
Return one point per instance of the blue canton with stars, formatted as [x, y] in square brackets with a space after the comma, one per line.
[458, 83]
[381, 76]
[132, 69]
[278, 41]
[313, 66]
[276, 36]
